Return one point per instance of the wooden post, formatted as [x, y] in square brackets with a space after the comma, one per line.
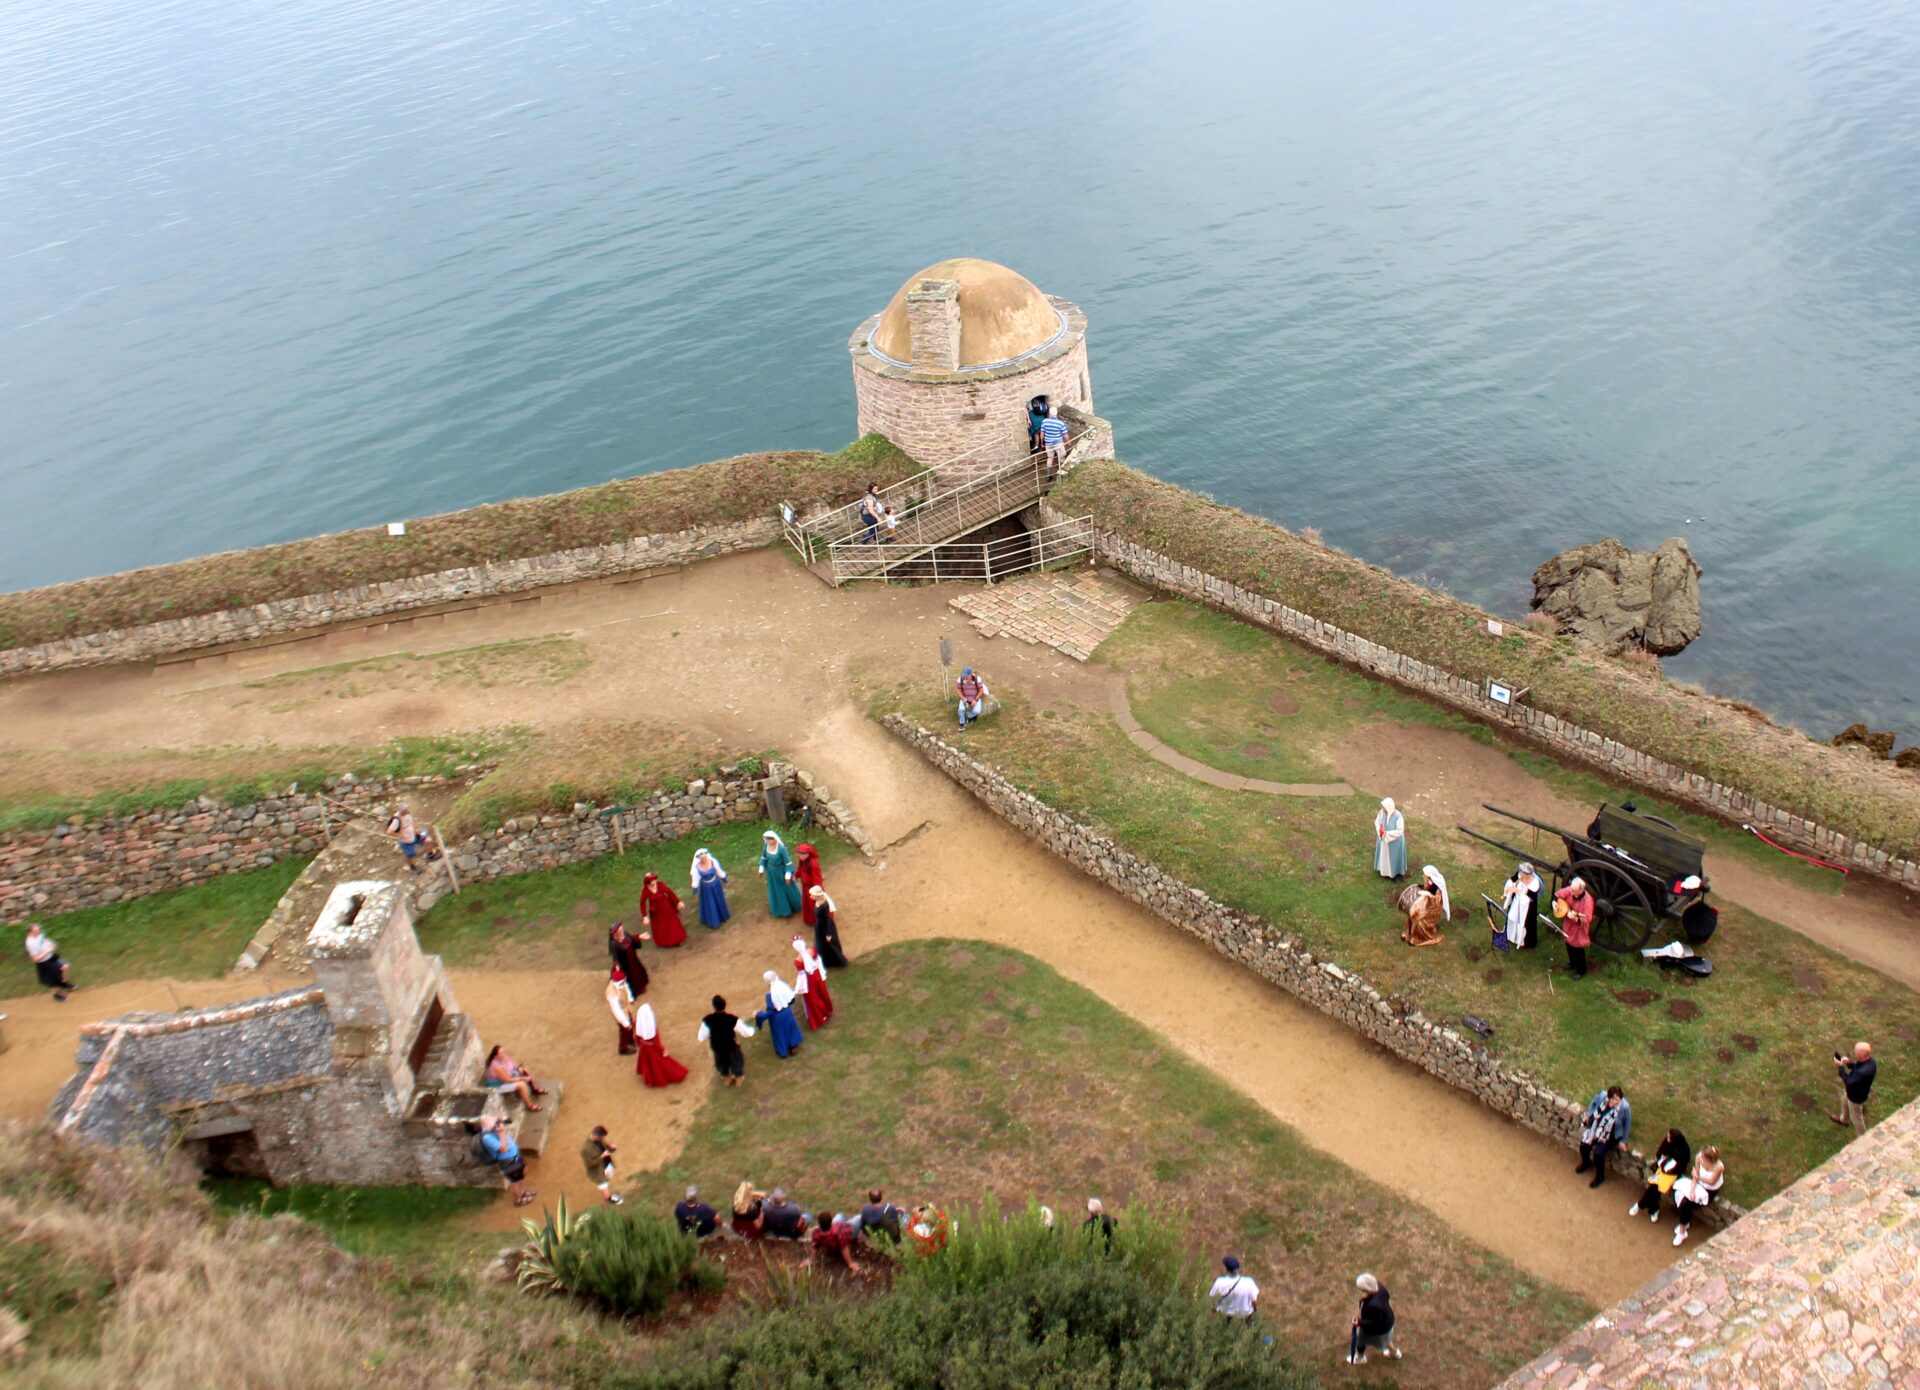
[618, 847]
[326, 824]
[446, 857]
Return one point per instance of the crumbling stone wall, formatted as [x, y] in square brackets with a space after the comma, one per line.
[87, 863]
[1260, 946]
[530, 843]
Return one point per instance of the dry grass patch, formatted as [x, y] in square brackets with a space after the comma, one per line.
[730, 490]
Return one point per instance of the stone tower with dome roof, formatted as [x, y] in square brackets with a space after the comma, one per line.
[945, 371]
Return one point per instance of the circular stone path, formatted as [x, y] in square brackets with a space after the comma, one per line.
[1212, 776]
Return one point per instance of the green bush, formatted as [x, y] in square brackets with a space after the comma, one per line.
[631, 1261]
[1006, 1303]
[1071, 1325]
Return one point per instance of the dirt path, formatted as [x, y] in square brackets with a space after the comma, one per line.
[753, 652]
[1387, 1120]
[1443, 777]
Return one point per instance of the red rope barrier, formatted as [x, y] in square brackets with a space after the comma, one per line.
[1823, 863]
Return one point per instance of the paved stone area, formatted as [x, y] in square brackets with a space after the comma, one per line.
[1212, 776]
[1816, 1288]
[1072, 611]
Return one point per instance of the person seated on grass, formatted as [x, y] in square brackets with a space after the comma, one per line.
[749, 1211]
[48, 967]
[834, 1240]
[496, 1139]
[695, 1217]
[505, 1074]
[928, 1229]
[782, 1219]
[879, 1217]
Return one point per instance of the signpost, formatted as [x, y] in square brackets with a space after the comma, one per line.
[946, 665]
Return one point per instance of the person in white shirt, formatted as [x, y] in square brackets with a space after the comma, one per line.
[48, 967]
[1234, 1294]
[620, 1004]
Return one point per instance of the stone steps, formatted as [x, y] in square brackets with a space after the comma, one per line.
[532, 1130]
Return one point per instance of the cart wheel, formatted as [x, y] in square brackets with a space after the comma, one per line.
[1623, 919]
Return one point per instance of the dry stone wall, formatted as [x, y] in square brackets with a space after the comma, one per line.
[47, 872]
[144, 643]
[530, 843]
[1563, 738]
[1260, 946]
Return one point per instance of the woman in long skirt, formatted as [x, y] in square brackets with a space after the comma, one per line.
[1389, 841]
[1427, 906]
[776, 866]
[806, 874]
[826, 929]
[653, 1066]
[782, 1027]
[812, 984]
[623, 948]
[660, 912]
[710, 882]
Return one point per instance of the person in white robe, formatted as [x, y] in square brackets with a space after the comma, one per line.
[1520, 897]
[1390, 840]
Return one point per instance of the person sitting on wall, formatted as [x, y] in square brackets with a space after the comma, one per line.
[879, 1217]
[781, 1219]
[497, 1142]
[505, 1074]
[695, 1217]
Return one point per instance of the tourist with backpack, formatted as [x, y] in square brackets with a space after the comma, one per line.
[495, 1144]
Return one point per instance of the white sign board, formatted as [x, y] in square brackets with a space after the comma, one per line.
[1499, 694]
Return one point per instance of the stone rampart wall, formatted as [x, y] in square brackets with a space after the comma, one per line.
[47, 872]
[527, 844]
[1563, 738]
[1264, 949]
[291, 615]
[1818, 1286]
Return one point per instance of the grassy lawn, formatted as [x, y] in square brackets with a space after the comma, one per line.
[1237, 698]
[544, 909]
[956, 1069]
[1720, 739]
[1739, 1059]
[191, 934]
[370, 1220]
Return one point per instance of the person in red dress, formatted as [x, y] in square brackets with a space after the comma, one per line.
[806, 873]
[812, 983]
[660, 912]
[653, 1066]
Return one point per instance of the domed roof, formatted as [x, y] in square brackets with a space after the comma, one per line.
[1002, 313]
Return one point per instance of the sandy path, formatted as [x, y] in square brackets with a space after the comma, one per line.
[1443, 777]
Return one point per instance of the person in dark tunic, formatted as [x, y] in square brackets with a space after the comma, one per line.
[623, 948]
[826, 930]
[1373, 1329]
[722, 1032]
[1670, 1164]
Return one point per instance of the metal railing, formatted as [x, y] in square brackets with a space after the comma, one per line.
[977, 561]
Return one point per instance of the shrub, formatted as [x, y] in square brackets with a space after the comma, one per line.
[631, 1261]
[540, 1256]
[1061, 1320]
[983, 1249]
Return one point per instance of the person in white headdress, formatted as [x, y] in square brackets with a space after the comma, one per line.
[776, 866]
[778, 1016]
[709, 881]
[653, 1066]
[810, 983]
[1427, 906]
[1521, 898]
[1389, 840]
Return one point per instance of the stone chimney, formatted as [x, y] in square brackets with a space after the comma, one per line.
[379, 986]
[933, 325]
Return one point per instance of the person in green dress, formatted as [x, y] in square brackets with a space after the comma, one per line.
[776, 866]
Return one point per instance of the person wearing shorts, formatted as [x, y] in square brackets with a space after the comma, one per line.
[497, 1139]
[406, 834]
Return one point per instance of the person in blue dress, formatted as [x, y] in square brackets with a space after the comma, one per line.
[710, 882]
[1390, 841]
[782, 1026]
[776, 866]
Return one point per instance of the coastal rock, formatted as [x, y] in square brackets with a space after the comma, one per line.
[1621, 600]
[1909, 758]
[1860, 736]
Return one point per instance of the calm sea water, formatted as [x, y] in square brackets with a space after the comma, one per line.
[1460, 285]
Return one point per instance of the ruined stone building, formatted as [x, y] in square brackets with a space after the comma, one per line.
[369, 1077]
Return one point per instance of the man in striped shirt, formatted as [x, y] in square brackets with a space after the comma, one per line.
[1053, 434]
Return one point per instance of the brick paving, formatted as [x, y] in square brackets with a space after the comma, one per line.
[1071, 611]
